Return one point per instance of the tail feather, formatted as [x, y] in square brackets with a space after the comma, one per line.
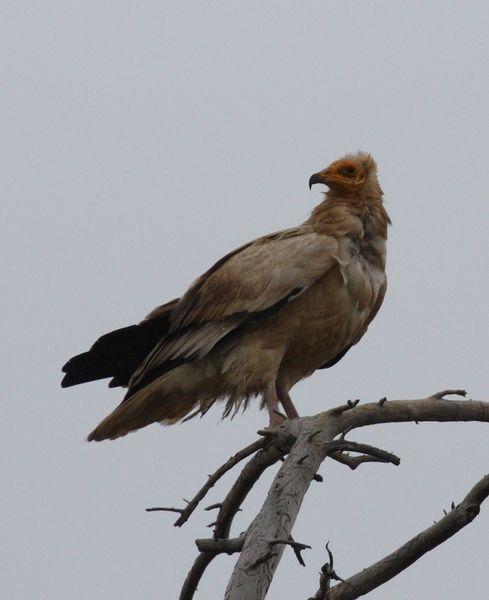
[118, 354]
[167, 400]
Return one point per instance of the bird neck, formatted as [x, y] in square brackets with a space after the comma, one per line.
[362, 214]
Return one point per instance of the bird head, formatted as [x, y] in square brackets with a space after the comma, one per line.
[349, 175]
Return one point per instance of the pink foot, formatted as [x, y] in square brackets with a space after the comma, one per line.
[276, 419]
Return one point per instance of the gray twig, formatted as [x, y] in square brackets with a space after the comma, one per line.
[326, 575]
[165, 509]
[296, 546]
[443, 393]
[211, 481]
[344, 407]
[226, 545]
[389, 566]
[250, 474]
[373, 454]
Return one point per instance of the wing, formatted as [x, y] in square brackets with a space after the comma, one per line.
[245, 285]
[118, 354]
[257, 276]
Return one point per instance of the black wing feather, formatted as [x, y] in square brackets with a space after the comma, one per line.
[117, 354]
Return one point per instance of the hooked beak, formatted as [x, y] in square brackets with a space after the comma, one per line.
[321, 177]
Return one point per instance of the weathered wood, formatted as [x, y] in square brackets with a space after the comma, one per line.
[259, 558]
[230, 506]
[390, 566]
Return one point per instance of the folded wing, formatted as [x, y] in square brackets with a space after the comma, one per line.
[244, 286]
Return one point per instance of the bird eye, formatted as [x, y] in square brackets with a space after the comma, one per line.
[348, 171]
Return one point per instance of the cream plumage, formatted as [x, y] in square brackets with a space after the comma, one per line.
[262, 318]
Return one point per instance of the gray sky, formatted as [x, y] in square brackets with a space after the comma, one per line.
[143, 140]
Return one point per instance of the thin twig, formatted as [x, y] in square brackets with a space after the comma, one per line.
[213, 506]
[165, 509]
[354, 461]
[344, 407]
[389, 566]
[268, 433]
[211, 481]
[228, 509]
[443, 393]
[345, 433]
[296, 546]
[376, 453]
[326, 574]
[227, 466]
[194, 576]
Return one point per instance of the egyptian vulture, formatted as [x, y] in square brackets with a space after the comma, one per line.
[259, 320]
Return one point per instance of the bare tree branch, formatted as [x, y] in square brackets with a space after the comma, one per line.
[227, 545]
[165, 509]
[344, 407]
[211, 481]
[308, 441]
[326, 575]
[443, 393]
[247, 479]
[297, 547]
[256, 564]
[252, 471]
[374, 454]
[398, 411]
[354, 461]
[194, 576]
[389, 566]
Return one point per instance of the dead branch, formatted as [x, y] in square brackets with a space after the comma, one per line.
[326, 575]
[194, 576]
[297, 547]
[398, 411]
[246, 480]
[374, 454]
[353, 461]
[227, 545]
[389, 566]
[252, 471]
[371, 454]
[165, 509]
[308, 441]
[211, 481]
[443, 393]
[256, 565]
[344, 407]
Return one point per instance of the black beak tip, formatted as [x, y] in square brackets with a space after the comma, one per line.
[314, 179]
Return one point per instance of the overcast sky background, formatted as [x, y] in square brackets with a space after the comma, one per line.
[143, 140]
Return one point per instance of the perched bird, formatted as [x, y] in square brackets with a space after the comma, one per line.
[259, 320]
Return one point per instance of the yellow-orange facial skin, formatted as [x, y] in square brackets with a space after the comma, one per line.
[343, 176]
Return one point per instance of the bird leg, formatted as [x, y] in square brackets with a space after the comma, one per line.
[271, 401]
[286, 402]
